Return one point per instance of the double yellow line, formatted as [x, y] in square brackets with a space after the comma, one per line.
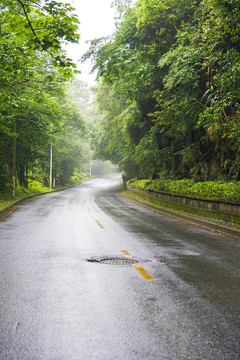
[138, 267]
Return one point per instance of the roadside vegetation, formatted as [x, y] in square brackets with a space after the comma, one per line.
[22, 192]
[34, 188]
[35, 113]
[211, 190]
[169, 92]
[45, 110]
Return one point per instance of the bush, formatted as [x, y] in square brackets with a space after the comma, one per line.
[77, 178]
[212, 190]
[217, 190]
[36, 187]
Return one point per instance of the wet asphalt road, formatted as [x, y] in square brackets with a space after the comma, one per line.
[56, 305]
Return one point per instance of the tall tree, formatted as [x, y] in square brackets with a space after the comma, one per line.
[176, 63]
[32, 67]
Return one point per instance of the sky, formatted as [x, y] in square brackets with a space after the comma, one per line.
[96, 20]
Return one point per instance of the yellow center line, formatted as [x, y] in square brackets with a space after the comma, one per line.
[126, 254]
[99, 224]
[143, 272]
[138, 267]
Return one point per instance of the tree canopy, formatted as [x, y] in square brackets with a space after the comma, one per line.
[169, 89]
[34, 110]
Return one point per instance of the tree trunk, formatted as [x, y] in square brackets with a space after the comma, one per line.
[21, 174]
[173, 157]
[26, 176]
[50, 168]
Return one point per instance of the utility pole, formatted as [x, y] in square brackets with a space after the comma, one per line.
[14, 160]
[50, 175]
[90, 166]
[50, 167]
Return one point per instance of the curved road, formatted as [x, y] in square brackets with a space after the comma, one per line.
[179, 301]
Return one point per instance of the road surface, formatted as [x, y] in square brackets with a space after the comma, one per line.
[179, 300]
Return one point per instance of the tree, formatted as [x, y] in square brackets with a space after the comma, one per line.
[130, 61]
[176, 65]
[43, 26]
[221, 112]
[32, 69]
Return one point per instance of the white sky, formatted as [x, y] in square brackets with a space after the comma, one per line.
[96, 20]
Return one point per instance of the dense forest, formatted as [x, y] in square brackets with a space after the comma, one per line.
[167, 96]
[34, 111]
[169, 89]
[43, 105]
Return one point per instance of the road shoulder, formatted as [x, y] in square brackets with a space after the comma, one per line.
[218, 226]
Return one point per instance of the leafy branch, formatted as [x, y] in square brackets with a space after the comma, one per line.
[31, 27]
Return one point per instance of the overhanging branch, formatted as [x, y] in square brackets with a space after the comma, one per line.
[31, 27]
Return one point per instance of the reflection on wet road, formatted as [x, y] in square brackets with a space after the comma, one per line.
[57, 305]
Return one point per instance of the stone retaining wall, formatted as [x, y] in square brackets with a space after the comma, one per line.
[212, 208]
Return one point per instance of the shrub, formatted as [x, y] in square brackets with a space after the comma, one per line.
[36, 187]
[213, 190]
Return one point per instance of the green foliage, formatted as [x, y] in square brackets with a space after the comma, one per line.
[217, 190]
[34, 187]
[111, 138]
[212, 190]
[173, 69]
[41, 26]
[78, 178]
[34, 108]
